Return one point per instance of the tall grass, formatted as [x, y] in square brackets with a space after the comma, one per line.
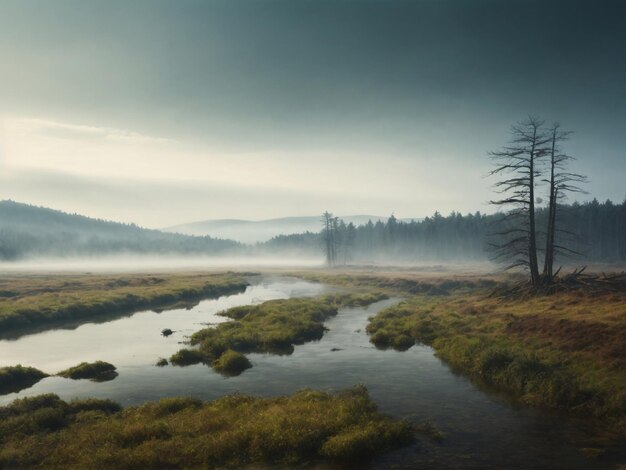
[31, 303]
[229, 432]
[16, 378]
[565, 351]
[272, 327]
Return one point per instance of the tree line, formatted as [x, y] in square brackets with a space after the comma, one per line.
[600, 228]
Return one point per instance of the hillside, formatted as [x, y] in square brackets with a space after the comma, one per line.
[253, 231]
[30, 231]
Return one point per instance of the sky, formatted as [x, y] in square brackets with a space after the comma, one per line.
[166, 112]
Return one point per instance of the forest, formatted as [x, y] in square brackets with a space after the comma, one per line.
[599, 228]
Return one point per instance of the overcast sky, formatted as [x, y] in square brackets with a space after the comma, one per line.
[165, 112]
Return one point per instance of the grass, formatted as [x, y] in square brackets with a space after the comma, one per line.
[272, 327]
[563, 351]
[31, 302]
[98, 371]
[406, 283]
[231, 363]
[16, 378]
[187, 357]
[231, 432]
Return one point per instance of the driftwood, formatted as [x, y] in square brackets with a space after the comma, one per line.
[578, 280]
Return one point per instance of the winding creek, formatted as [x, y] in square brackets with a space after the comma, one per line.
[482, 430]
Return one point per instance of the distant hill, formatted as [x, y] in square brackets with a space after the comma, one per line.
[31, 231]
[251, 231]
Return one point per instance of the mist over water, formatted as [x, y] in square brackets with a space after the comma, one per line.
[134, 263]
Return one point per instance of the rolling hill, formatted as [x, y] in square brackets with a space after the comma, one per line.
[31, 231]
[251, 231]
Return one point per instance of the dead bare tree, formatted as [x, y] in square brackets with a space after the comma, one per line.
[560, 183]
[519, 164]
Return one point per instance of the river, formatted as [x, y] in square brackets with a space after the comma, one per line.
[482, 430]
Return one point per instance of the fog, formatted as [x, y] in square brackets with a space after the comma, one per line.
[127, 127]
[41, 238]
[126, 263]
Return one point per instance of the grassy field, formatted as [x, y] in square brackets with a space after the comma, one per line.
[32, 301]
[567, 350]
[229, 432]
[273, 327]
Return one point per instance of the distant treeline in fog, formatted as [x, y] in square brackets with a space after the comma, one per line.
[594, 230]
[29, 232]
[598, 232]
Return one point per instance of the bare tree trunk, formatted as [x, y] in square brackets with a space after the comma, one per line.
[549, 255]
[518, 164]
[561, 181]
[532, 237]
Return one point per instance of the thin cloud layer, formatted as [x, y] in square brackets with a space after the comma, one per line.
[296, 107]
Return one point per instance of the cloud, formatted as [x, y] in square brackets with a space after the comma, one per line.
[42, 128]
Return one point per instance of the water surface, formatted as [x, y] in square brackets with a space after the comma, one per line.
[482, 430]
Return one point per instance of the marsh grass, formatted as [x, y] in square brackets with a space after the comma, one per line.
[230, 432]
[187, 357]
[16, 378]
[35, 301]
[272, 327]
[547, 351]
[407, 283]
[98, 371]
[231, 363]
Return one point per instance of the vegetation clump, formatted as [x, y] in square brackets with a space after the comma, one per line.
[271, 327]
[414, 284]
[546, 351]
[187, 357]
[162, 362]
[230, 432]
[16, 378]
[231, 363]
[38, 301]
[98, 371]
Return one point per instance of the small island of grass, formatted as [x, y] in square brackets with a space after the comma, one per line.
[16, 378]
[98, 371]
[271, 327]
[231, 363]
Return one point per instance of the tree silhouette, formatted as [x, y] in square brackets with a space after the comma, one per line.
[518, 164]
[560, 183]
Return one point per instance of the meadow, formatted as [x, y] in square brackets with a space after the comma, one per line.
[30, 302]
